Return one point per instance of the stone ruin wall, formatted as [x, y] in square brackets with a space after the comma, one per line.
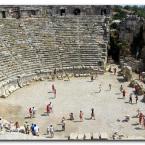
[35, 40]
[129, 28]
[13, 11]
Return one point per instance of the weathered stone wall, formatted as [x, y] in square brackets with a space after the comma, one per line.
[45, 11]
[143, 49]
[40, 43]
[130, 27]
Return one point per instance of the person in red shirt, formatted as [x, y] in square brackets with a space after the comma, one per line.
[81, 116]
[48, 109]
[30, 112]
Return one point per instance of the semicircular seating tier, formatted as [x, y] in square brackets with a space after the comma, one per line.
[33, 46]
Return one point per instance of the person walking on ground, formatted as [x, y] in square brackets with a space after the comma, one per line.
[51, 131]
[36, 130]
[110, 86]
[144, 122]
[115, 71]
[71, 116]
[63, 119]
[130, 98]
[48, 109]
[99, 88]
[92, 114]
[30, 112]
[26, 126]
[33, 112]
[53, 88]
[81, 116]
[48, 130]
[92, 78]
[140, 117]
[32, 129]
[124, 93]
[51, 107]
[17, 125]
[54, 92]
[121, 88]
[1, 124]
[136, 98]
[63, 125]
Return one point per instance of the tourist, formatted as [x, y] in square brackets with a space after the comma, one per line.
[55, 72]
[130, 98]
[115, 71]
[71, 116]
[81, 116]
[121, 88]
[51, 131]
[26, 126]
[138, 112]
[30, 112]
[48, 109]
[144, 122]
[92, 114]
[124, 93]
[140, 117]
[50, 106]
[36, 130]
[53, 87]
[17, 125]
[92, 78]
[32, 129]
[10, 126]
[33, 112]
[1, 124]
[63, 125]
[99, 88]
[110, 87]
[54, 93]
[67, 75]
[63, 119]
[136, 98]
[48, 130]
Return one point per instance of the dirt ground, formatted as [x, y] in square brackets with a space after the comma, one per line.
[73, 96]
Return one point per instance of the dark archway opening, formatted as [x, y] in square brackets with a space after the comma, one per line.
[62, 12]
[3, 14]
[102, 12]
[33, 12]
[105, 11]
[114, 51]
[77, 11]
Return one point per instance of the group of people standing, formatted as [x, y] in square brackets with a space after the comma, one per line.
[32, 112]
[130, 96]
[81, 115]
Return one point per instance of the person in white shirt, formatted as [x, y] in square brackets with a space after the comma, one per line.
[33, 112]
[51, 131]
[48, 130]
[36, 130]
